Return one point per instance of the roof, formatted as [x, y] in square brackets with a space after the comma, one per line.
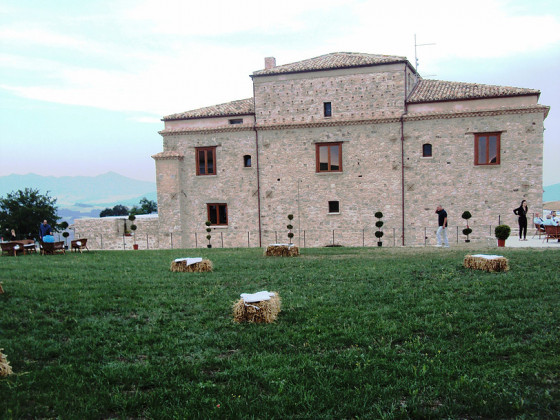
[337, 60]
[438, 90]
[239, 107]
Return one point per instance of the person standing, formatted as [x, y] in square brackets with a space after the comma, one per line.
[442, 227]
[521, 212]
[44, 228]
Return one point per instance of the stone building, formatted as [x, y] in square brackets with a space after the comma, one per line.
[335, 138]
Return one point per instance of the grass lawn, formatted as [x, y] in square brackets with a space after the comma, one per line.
[363, 333]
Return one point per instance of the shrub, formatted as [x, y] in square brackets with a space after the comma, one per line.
[502, 232]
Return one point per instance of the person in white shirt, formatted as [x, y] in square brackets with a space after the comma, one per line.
[539, 222]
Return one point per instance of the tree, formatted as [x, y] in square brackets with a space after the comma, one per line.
[145, 207]
[118, 210]
[24, 211]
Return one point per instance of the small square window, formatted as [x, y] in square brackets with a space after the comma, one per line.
[327, 109]
[236, 121]
[217, 214]
[334, 207]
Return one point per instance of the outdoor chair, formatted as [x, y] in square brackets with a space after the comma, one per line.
[79, 245]
[11, 248]
[552, 232]
[538, 231]
[51, 248]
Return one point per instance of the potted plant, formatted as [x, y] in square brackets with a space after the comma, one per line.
[290, 227]
[133, 228]
[379, 225]
[467, 231]
[502, 233]
[66, 234]
[208, 229]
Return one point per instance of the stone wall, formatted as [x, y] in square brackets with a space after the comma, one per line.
[357, 93]
[451, 178]
[108, 232]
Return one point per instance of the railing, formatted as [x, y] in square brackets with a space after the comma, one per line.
[224, 238]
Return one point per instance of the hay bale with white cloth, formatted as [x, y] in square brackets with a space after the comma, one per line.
[191, 265]
[282, 250]
[5, 368]
[261, 308]
[490, 263]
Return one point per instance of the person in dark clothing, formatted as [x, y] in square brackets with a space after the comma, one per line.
[44, 228]
[442, 227]
[521, 212]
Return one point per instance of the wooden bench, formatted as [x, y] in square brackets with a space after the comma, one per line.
[28, 246]
[11, 248]
[51, 248]
[552, 232]
[79, 244]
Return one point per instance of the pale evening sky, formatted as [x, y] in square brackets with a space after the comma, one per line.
[84, 84]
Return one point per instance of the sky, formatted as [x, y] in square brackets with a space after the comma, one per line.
[84, 84]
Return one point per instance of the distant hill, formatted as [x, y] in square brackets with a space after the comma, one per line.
[83, 196]
[551, 193]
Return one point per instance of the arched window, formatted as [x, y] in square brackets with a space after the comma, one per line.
[247, 161]
[427, 150]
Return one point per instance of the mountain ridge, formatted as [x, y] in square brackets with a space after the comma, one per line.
[99, 191]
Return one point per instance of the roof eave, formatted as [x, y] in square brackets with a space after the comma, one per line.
[208, 116]
[474, 99]
[330, 68]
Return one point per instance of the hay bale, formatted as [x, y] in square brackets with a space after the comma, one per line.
[1, 288]
[282, 250]
[5, 368]
[260, 312]
[182, 265]
[490, 263]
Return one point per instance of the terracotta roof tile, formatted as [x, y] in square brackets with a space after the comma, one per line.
[438, 90]
[332, 61]
[239, 107]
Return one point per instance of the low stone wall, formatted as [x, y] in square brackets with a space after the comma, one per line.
[109, 232]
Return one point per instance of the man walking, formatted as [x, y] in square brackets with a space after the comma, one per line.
[442, 227]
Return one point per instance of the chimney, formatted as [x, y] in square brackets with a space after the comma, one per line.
[269, 62]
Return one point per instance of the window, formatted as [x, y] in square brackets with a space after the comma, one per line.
[334, 207]
[329, 157]
[217, 214]
[487, 149]
[247, 161]
[427, 150]
[206, 161]
[327, 109]
[236, 121]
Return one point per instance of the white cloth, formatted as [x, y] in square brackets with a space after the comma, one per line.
[288, 245]
[16, 247]
[256, 297]
[189, 261]
[488, 257]
[78, 243]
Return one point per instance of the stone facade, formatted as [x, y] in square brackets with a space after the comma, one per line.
[383, 114]
[109, 233]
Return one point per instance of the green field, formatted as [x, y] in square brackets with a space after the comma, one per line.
[363, 333]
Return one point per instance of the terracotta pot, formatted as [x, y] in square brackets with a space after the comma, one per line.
[501, 243]
[135, 246]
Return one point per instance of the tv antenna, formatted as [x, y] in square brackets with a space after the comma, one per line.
[415, 54]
